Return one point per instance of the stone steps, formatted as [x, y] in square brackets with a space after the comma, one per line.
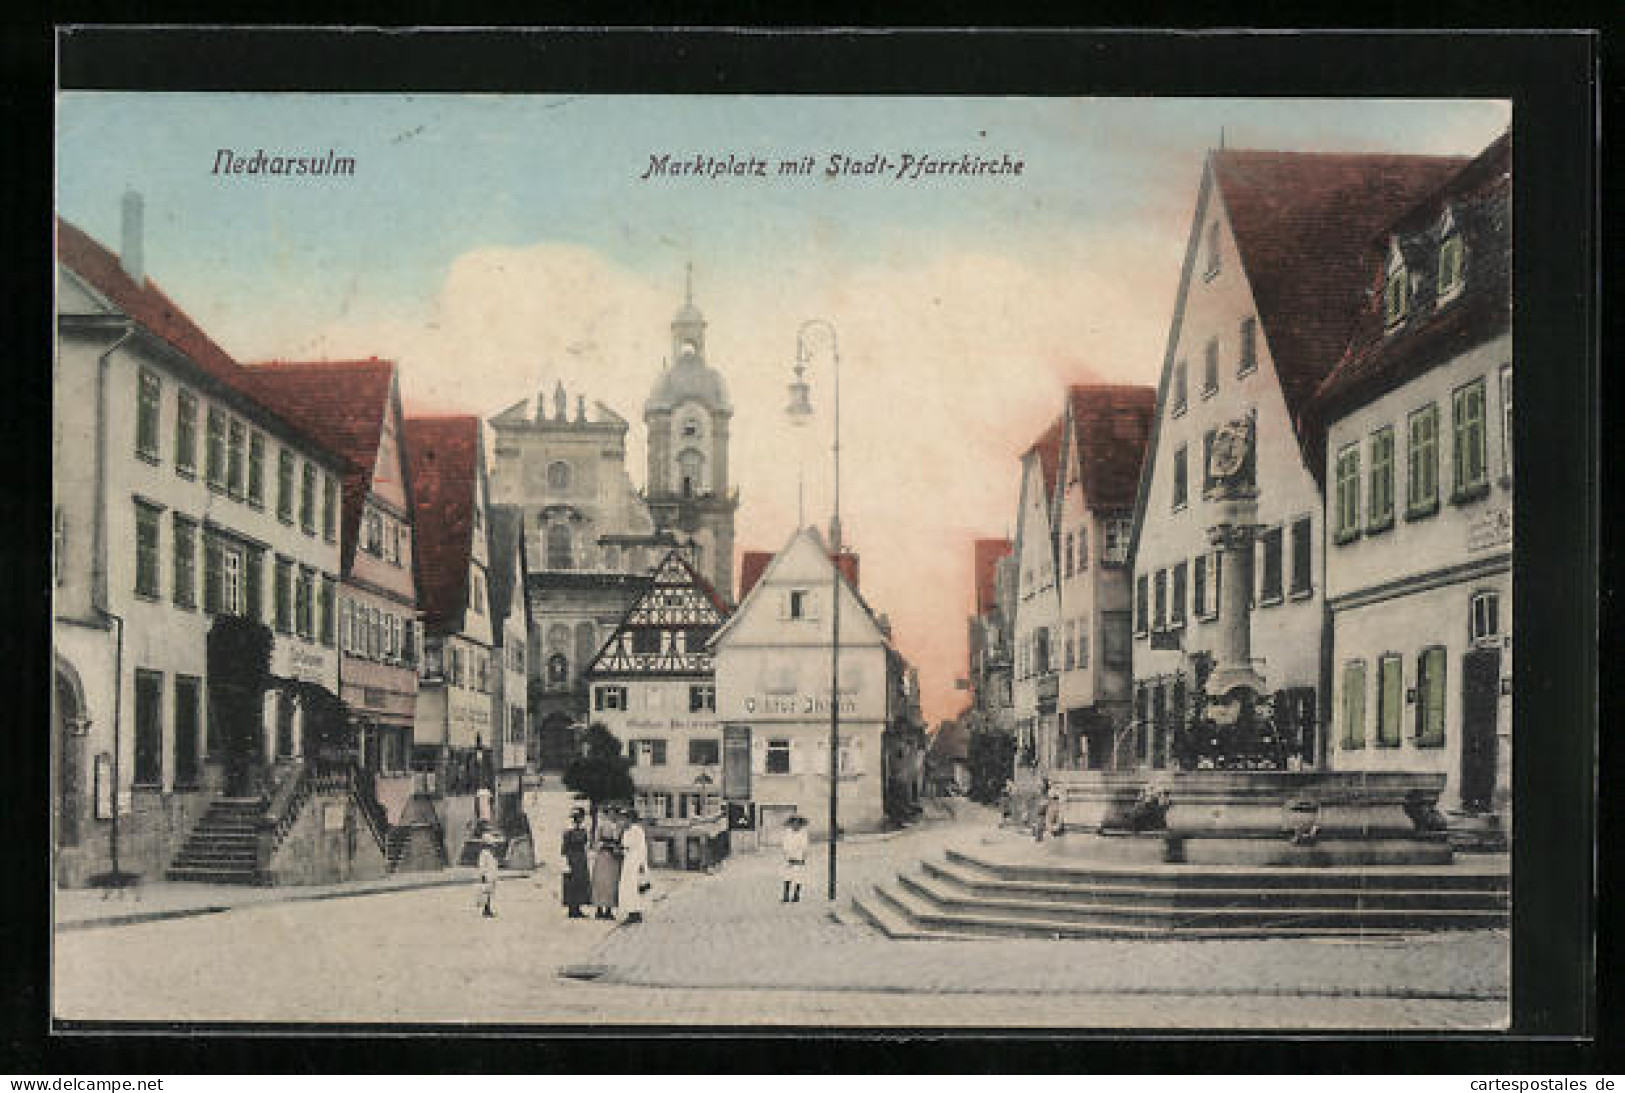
[223, 847]
[972, 895]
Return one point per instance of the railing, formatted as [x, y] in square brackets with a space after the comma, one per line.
[364, 791]
[287, 801]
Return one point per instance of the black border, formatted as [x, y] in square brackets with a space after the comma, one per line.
[1550, 78]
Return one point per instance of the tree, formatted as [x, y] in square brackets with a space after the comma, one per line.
[600, 772]
[991, 754]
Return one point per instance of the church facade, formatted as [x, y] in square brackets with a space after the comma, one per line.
[591, 538]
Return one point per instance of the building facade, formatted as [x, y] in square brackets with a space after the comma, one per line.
[1419, 473]
[511, 620]
[1271, 282]
[654, 687]
[172, 509]
[1103, 438]
[1035, 680]
[773, 684]
[354, 407]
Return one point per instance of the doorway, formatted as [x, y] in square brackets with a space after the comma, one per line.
[69, 716]
[1480, 701]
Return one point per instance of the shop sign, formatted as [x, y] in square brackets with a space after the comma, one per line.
[796, 705]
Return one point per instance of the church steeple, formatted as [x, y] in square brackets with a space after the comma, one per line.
[688, 326]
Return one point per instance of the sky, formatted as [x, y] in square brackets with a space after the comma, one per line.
[495, 245]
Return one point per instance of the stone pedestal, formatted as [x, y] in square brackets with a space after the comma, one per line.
[1232, 535]
[1092, 799]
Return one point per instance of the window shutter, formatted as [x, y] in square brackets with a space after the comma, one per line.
[211, 574]
[1457, 441]
[758, 755]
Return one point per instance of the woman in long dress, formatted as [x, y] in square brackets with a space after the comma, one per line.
[606, 866]
[577, 879]
[634, 868]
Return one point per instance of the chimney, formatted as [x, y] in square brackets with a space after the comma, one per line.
[130, 256]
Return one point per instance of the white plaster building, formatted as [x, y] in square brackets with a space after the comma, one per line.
[170, 509]
[1419, 472]
[1271, 282]
[773, 661]
[1035, 680]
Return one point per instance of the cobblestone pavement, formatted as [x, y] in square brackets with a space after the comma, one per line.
[721, 950]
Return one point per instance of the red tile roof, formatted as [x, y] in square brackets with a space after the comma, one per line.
[1376, 360]
[752, 563]
[1048, 447]
[443, 462]
[147, 305]
[988, 553]
[1110, 426]
[1301, 222]
[342, 404]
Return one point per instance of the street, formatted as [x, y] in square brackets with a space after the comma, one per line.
[723, 950]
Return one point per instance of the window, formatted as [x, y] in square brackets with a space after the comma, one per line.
[185, 559]
[1249, 346]
[1354, 704]
[307, 499]
[146, 551]
[149, 392]
[558, 669]
[256, 469]
[1348, 492]
[282, 595]
[1041, 653]
[1212, 269]
[704, 753]
[372, 533]
[1067, 557]
[231, 579]
[253, 580]
[1083, 643]
[1176, 614]
[1161, 620]
[1210, 367]
[560, 550]
[691, 472]
[1468, 458]
[1199, 586]
[214, 449]
[800, 604]
[1430, 666]
[1422, 462]
[1397, 293]
[327, 610]
[702, 697]
[649, 752]
[558, 476]
[476, 592]
[1380, 494]
[1486, 618]
[284, 486]
[1269, 590]
[1390, 699]
[1451, 255]
[185, 432]
[409, 648]
[778, 757]
[1181, 478]
[1083, 549]
[1302, 557]
[330, 507]
[236, 444]
[188, 692]
[1069, 648]
[1179, 396]
[149, 728]
[1141, 603]
[1506, 422]
[1117, 534]
[609, 697]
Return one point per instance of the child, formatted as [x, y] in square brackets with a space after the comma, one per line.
[488, 875]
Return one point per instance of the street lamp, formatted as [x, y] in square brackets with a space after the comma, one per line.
[800, 412]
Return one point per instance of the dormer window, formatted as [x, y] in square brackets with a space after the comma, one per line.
[1396, 296]
[1452, 255]
[1212, 270]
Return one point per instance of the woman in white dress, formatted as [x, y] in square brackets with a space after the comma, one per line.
[634, 868]
[794, 844]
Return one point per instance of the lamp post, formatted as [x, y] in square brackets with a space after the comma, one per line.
[799, 411]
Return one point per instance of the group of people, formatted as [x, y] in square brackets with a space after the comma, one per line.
[618, 875]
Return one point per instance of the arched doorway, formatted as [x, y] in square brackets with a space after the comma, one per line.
[68, 724]
[558, 742]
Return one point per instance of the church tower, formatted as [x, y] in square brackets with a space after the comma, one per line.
[687, 416]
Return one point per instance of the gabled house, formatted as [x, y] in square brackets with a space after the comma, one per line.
[453, 732]
[1272, 281]
[171, 515]
[1103, 437]
[653, 685]
[354, 407]
[1035, 681]
[988, 641]
[511, 625]
[1419, 474]
[773, 693]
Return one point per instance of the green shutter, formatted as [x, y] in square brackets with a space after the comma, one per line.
[1390, 698]
[211, 573]
[1430, 697]
[1354, 705]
